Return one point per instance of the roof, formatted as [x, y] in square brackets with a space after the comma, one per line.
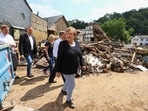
[28, 5]
[54, 19]
[81, 32]
[38, 16]
[17, 27]
[142, 36]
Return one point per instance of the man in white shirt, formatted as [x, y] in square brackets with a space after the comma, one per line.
[6, 38]
[62, 36]
[28, 49]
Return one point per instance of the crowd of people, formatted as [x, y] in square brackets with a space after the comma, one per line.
[63, 55]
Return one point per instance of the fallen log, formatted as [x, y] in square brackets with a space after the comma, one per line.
[133, 57]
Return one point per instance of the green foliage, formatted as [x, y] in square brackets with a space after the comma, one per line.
[78, 24]
[115, 28]
[120, 26]
[108, 17]
[137, 20]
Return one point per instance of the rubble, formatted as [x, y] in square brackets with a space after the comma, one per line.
[104, 55]
[102, 58]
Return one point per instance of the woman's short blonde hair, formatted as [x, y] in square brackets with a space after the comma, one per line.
[72, 29]
[51, 37]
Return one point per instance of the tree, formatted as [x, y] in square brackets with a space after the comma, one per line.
[129, 13]
[144, 12]
[103, 19]
[136, 21]
[115, 28]
[136, 24]
[107, 17]
[78, 24]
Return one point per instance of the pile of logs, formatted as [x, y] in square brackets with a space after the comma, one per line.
[99, 33]
[105, 55]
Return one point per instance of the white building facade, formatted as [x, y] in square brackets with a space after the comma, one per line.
[140, 40]
[89, 34]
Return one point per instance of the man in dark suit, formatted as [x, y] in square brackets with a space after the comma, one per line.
[28, 48]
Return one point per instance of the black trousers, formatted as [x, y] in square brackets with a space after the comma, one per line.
[14, 61]
[53, 74]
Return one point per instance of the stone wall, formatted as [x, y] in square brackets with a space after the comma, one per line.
[40, 27]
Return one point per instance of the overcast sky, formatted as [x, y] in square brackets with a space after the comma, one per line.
[87, 10]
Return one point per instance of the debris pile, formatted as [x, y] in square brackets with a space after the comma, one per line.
[104, 55]
[99, 33]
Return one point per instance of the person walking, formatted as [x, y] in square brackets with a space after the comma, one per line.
[62, 36]
[49, 53]
[28, 48]
[68, 60]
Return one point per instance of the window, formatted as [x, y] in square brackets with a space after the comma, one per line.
[141, 39]
[22, 16]
[146, 39]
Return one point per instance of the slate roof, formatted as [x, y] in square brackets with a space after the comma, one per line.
[28, 5]
[142, 36]
[54, 19]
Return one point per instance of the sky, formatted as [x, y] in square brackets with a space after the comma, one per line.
[84, 10]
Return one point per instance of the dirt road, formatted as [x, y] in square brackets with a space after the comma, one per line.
[105, 92]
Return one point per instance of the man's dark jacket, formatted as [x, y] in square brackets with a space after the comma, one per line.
[25, 46]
